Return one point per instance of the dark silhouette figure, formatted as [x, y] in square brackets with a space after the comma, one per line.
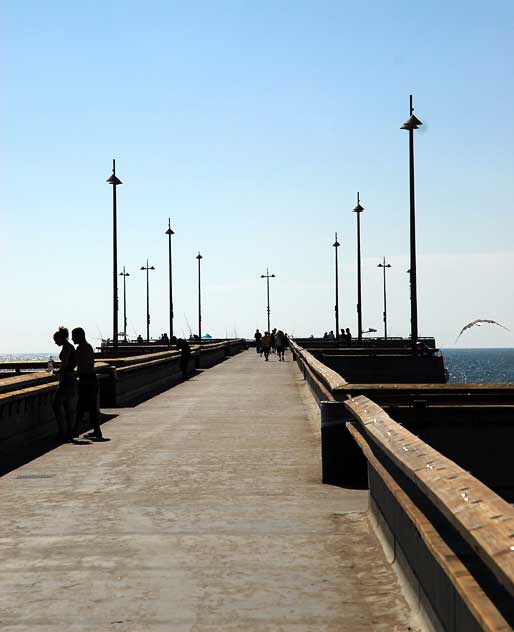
[273, 333]
[348, 337]
[266, 345]
[165, 339]
[88, 384]
[185, 354]
[258, 337]
[139, 340]
[325, 335]
[65, 393]
[280, 344]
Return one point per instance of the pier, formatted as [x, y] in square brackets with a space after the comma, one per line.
[205, 511]
[260, 496]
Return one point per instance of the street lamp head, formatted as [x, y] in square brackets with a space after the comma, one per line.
[169, 231]
[272, 276]
[152, 268]
[336, 244]
[142, 268]
[358, 208]
[199, 256]
[411, 123]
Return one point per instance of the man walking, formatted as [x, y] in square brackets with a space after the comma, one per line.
[87, 386]
[280, 344]
[258, 337]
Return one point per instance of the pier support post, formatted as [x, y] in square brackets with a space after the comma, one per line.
[342, 461]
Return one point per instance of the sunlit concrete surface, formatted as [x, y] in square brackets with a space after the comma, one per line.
[204, 512]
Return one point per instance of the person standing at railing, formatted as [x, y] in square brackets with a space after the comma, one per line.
[266, 345]
[88, 385]
[185, 354]
[65, 393]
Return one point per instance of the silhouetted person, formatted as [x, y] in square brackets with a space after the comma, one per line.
[325, 336]
[139, 340]
[280, 344]
[258, 337]
[185, 354]
[165, 339]
[65, 393]
[88, 384]
[348, 337]
[266, 345]
[273, 332]
[330, 335]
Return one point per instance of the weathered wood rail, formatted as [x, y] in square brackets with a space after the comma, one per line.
[451, 535]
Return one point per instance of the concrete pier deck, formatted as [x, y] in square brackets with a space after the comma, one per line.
[204, 512]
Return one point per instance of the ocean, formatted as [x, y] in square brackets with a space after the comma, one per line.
[465, 366]
[476, 366]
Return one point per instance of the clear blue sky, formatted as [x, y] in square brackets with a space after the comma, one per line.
[253, 125]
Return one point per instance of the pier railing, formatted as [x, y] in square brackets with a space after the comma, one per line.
[453, 536]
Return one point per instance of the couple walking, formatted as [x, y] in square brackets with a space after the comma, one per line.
[83, 359]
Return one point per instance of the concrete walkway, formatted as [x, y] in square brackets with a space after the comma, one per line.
[204, 512]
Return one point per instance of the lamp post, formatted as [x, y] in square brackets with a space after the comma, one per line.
[336, 245]
[169, 232]
[124, 275]
[411, 124]
[199, 257]
[358, 209]
[385, 265]
[115, 182]
[268, 276]
[147, 268]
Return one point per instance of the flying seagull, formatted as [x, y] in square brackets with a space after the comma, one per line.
[478, 323]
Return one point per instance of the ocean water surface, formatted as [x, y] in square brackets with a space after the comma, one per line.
[477, 366]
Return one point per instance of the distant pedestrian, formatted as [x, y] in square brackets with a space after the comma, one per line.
[65, 393]
[185, 354]
[325, 336]
[266, 345]
[331, 335]
[280, 344]
[139, 340]
[273, 345]
[258, 337]
[348, 337]
[88, 385]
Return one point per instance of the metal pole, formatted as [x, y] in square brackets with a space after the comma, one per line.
[385, 302]
[199, 257]
[414, 294]
[115, 182]
[336, 247]
[114, 263]
[359, 277]
[147, 302]
[269, 311]
[124, 275]
[169, 232]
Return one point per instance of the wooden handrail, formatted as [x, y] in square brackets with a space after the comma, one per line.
[328, 376]
[482, 518]
[479, 604]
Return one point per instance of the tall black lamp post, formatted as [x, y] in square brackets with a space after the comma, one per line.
[124, 275]
[169, 232]
[385, 265]
[199, 258]
[358, 209]
[411, 124]
[268, 276]
[336, 245]
[147, 268]
[115, 182]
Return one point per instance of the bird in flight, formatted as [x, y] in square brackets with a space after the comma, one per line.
[479, 322]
